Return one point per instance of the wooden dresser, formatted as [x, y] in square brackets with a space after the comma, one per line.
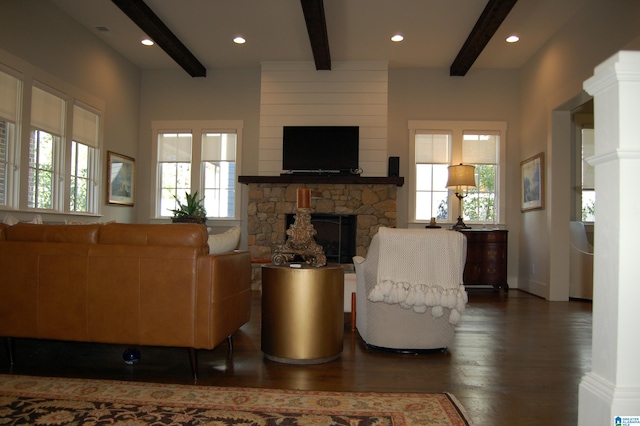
[486, 258]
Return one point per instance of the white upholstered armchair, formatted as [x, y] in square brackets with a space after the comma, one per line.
[409, 291]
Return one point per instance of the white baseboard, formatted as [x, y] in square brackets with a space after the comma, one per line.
[600, 401]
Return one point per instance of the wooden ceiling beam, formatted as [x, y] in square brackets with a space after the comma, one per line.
[490, 20]
[153, 27]
[317, 28]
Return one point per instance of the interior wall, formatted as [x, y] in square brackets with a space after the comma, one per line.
[550, 81]
[225, 94]
[38, 33]
[351, 94]
[481, 95]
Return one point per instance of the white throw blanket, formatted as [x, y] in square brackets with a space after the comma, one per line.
[421, 269]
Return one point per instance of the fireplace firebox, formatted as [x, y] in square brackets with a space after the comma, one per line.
[336, 233]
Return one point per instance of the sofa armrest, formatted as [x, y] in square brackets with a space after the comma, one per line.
[223, 299]
[228, 273]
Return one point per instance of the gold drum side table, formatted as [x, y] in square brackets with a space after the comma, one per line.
[302, 313]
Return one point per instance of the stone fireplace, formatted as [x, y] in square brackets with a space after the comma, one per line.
[374, 206]
[371, 200]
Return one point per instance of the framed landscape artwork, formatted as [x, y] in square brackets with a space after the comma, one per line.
[532, 183]
[120, 179]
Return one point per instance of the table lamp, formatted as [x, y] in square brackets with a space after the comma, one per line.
[461, 178]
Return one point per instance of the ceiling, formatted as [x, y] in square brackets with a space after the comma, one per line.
[358, 30]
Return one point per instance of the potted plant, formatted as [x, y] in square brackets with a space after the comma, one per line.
[192, 211]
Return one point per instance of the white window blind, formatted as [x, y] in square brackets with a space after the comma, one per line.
[219, 147]
[9, 88]
[47, 111]
[433, 148]
[480, 147]
[85, 126]
[174, 147]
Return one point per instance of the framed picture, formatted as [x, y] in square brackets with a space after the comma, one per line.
[121, 173]
[532, 183]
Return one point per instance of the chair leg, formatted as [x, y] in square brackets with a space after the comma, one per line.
[230, 341]
[193, 360]
[353, 311]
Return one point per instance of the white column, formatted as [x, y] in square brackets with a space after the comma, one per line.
[612, 387]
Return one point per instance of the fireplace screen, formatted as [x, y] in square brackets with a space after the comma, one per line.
[336, 234]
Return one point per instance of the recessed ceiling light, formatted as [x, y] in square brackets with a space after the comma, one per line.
[239, 40]
[397, 37]
[147, 42]
[512, 38]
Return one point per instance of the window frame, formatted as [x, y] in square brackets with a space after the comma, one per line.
[196, 128]
[94, 176]
[457, 128]
[18, 182]
[13, 145]
[59, 149]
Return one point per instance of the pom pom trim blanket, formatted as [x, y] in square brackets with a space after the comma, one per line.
[421, 270]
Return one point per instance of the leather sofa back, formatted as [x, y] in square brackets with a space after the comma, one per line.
[179, 234]
[175, 234]
[120, 283]
[30, 232]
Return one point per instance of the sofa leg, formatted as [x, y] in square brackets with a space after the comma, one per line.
[230, 341]
[10, 349]
[193, 360]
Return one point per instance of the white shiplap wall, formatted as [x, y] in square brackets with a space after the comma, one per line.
[351, 94]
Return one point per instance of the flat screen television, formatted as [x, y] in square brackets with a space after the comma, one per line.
[320, 149]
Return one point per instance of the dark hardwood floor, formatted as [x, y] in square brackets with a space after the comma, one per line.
[517, 360]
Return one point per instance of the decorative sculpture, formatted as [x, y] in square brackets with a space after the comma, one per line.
[300, 237]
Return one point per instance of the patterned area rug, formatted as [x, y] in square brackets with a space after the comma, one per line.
[55, 401]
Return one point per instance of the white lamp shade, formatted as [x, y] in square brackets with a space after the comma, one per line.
[461, 177]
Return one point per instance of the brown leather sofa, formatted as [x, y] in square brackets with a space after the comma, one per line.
[131, 284]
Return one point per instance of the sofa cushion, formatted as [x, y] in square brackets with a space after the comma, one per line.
[178, 234]
[52, 233]
[227, 241]
[10, 220]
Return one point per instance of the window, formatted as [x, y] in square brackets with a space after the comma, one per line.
[432, 157]
[54, 164]
[174, 169]
[84, 161]
[438, 144]
[10, 95]
[219, 167]
[197, 156]
[47, 127]
[481, 150]
[588, 176]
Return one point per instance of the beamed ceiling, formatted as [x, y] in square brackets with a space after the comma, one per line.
[197, 34]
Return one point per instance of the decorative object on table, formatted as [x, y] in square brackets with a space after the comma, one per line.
[300, 237]
[532, 183]
[121, 173]
[131, 356]
[461, 178]
[50, 400]
[432, 224]
[192, 211]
